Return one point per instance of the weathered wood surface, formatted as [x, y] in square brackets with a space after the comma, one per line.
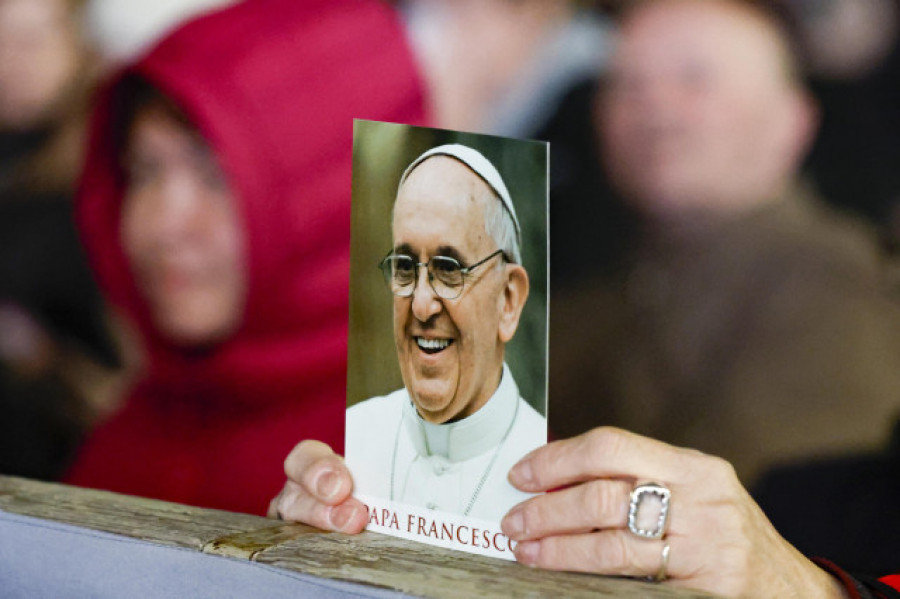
[157, 521]
[369, 558]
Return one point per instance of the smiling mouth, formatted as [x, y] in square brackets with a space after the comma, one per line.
[433, 346]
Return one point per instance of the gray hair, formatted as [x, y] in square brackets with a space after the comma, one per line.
[500, 226]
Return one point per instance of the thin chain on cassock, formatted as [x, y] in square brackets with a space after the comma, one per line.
[483, 476]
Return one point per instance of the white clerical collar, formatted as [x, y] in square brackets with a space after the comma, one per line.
[471, 436]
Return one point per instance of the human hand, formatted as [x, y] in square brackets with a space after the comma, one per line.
[317, 491]
[720, 541]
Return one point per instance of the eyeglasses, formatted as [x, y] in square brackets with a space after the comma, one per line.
[445, 275]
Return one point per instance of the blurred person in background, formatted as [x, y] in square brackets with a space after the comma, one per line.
[45, 75]
[123, 31]
[215, 208]
[529, 69]
[502, 67]
[851, 50]
[845, 506]
[748, 320]
[58, 357]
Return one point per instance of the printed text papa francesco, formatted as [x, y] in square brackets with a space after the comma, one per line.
[425, 526]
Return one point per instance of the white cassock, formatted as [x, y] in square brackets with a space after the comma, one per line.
[459, 467]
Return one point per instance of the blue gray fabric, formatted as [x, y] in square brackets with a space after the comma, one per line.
[43, 559]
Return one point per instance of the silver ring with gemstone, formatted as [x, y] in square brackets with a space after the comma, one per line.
[639, 496]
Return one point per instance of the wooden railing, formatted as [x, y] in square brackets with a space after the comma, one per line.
[369, 558]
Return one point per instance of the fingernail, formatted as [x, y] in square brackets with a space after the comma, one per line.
[327, 485]
[341, 515]
[513, 525]
[527, 552]
[521, 475]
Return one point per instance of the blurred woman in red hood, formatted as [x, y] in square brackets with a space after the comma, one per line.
[215, 208]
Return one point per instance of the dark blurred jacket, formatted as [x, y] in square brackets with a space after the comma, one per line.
[48, 401]
[755, 339]
[845, 508]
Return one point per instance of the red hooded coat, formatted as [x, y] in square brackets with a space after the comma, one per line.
[273, 86]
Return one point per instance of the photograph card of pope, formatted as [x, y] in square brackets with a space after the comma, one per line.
[447, 353]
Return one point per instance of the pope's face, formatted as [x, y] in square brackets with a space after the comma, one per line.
[450, 351]
[181, 232]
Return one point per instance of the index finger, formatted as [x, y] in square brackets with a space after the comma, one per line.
[604, 452]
